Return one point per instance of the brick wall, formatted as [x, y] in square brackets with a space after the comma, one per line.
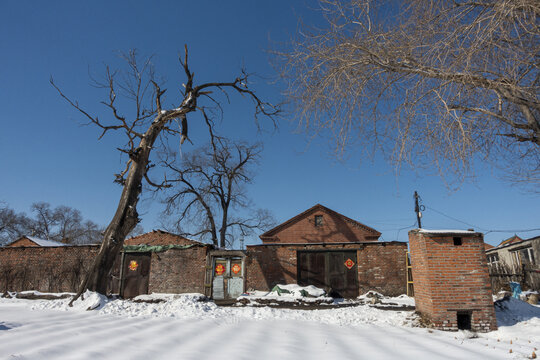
[335, 228]
[451, 278]
[178, 270]
[60, 269]
[159, 237]
[46, 269]
[381, 265]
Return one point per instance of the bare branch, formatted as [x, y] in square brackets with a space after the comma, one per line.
[434, 86]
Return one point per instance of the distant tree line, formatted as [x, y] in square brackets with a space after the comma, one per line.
[62, 223]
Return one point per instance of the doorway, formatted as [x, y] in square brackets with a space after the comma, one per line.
[228, 277]
[334, 271]
[135, 274]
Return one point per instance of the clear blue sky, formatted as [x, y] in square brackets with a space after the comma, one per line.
[46, 155]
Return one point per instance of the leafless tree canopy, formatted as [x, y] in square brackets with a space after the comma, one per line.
[12, 224]
[435, 83]
[62, 223]
[136, 104]
[208, 196]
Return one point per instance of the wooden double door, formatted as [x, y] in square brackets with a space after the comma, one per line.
[334, 271]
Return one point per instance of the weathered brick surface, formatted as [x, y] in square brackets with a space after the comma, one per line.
[178, 270]
[60, 269]
[47, 269]
[381, 265]
[449, 278]
[335, 228]
[159, 237]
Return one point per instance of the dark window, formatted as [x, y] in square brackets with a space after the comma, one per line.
[318, 220]
[464, 320]
[493, 258]
[457, 241]
[527, 256]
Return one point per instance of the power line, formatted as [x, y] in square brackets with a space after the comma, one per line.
[453, 218]
[407, 227]
[487, 231]
[511, 231]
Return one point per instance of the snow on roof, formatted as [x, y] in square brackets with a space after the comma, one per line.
[427, 231]
[42, 242]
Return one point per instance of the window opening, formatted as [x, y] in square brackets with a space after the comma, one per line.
[318, 220]
[527, 256]
[457, 241]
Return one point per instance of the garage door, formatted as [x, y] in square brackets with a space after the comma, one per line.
[334, 271]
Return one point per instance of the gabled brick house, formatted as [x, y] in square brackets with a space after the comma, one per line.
[320, 224]
[324, 248]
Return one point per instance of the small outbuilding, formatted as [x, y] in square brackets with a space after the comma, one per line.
[31, 241]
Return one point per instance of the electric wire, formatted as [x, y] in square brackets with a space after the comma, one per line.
[453, 218]
[487, 231]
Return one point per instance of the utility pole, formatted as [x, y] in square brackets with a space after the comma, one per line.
[418, 209]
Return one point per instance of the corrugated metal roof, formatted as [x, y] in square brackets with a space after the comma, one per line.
[43, 242]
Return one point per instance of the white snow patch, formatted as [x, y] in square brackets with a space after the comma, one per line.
[286, 294]
[184, 327]
[441, 231]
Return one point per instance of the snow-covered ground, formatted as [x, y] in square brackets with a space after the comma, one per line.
[182, 327]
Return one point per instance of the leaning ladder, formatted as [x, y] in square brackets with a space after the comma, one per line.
[410, 287]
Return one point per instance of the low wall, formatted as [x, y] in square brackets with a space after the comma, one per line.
[46, 269]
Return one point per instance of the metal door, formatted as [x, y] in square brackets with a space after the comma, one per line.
[235, 283]
[218, 284]
[136, 273]
[334, 271]
[228, 281]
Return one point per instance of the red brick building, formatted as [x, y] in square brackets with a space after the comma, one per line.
[452, 288]
[324, 248]
[319, 247]
[162, 262]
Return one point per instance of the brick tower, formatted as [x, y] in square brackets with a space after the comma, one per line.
[451, 282]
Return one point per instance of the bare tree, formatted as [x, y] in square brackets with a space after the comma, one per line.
[45, 221]
[90, 233]
[435, 84]
[12, 224]
[62, 223]
[208, 194]
[148, 121]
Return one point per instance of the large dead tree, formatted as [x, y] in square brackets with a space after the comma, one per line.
[208, 199]
[436, 84]
[149, 120]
